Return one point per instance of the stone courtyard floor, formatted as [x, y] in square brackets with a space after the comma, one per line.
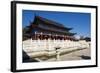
[76, 55]
[83, 54]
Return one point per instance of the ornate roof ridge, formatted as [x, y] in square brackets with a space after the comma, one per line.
[51, 22]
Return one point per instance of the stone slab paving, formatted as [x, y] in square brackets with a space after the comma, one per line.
[76, 55]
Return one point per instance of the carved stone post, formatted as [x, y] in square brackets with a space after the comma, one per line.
[57, 53]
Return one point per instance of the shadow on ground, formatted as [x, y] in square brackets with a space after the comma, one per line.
[26, 58]
[85, 57]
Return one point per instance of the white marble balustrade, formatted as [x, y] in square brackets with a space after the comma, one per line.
[49, 45]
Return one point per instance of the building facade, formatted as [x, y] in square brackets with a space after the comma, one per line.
[42, 28]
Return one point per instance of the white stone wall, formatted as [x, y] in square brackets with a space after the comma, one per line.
[50, 45]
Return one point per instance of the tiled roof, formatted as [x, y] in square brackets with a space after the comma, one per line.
[51, 22]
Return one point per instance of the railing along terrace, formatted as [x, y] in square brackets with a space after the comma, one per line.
[35, 48]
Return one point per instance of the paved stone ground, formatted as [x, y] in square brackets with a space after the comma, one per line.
[83, 54]
[76, 55]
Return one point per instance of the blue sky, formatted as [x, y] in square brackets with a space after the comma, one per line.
[80, 22]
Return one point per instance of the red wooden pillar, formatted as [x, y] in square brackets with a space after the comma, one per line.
[41, 36]
[49, 36]
[56, 37]
[35, 36]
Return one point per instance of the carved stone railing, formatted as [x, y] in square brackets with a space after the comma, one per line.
[37, 48]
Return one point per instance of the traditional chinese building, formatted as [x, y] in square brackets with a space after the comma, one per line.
[42, 28]
[39, 49]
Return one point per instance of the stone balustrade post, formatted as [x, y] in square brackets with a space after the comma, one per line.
[57, 53]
